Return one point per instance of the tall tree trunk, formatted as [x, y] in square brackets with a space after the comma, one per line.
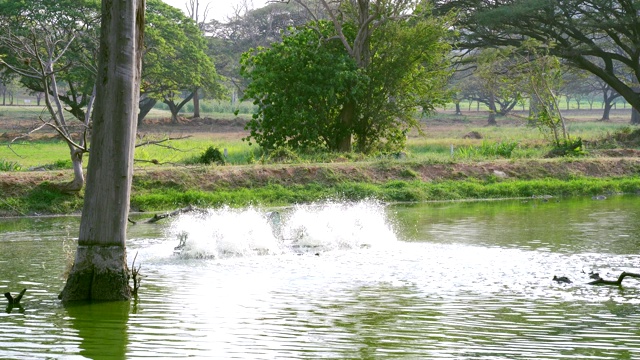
[347, 115]
[100, 268]
[534, 110]
[606, 112]
[458, 111]
[175, 108]
[196, 102]
[492, 110]
[145, 105]
[635, 117]
[78, 176]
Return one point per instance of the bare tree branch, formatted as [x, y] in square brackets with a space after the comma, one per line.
[159, 142]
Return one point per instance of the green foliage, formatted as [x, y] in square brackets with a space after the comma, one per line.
[42, 199]
[59, 164]
[283, 155]
[61, 34]
[311, 93]
[488, 149]
[212, 155]
[396, 190]
[408, 71]
[9, 166]
[543, 77]
[299, 87]
[569, 147]
[175, 59]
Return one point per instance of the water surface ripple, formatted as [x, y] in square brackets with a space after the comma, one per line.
[449, 281]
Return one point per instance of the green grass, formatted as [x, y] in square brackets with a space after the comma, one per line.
[35, 154]
[392, 191]
[434, 146]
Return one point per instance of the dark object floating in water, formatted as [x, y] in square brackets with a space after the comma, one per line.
[594, 276]
[14, 300]
[599, 197]
[562, 279]
[601, 281]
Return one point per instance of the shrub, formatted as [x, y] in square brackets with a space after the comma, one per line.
[283, 154]
[569, 147]
[488, 149]
[212, 155]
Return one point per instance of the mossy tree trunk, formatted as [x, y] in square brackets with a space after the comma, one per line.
[100, 268]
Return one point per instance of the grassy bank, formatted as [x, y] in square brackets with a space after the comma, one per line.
[160, 189]
[445, 163]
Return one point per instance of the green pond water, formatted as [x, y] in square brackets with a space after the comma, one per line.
[343, 281]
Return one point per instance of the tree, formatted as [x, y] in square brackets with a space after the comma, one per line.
[193, 10]
[493, 82]
[593, 35]
[597, 85]
[299, 88]
[7, 82]
[174, 60]
[246, 29]
[100, 268]
[388, 63]
[51, 42]
[542, 74]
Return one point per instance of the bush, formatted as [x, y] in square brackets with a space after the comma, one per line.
[212, 155]
[487, 149]
[283, 155]
[570, 147]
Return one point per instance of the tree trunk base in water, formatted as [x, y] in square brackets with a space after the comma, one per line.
[98, 274]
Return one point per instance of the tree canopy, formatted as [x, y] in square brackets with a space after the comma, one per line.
[593, 35]
[331, 81]
[175, 59]
[300, 85]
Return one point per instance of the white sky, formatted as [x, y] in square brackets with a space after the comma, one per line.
[218, 9]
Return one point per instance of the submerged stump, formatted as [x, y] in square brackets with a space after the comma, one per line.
[98, 273]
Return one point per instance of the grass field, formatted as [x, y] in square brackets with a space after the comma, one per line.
[439, 164]
[442, 132]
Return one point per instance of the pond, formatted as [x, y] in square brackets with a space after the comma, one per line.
[343, 281]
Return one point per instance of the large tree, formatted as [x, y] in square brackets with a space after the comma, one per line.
[249, 28]
[388, 59]
[52, 46]
[100, 268]
[593, 35]
[299, 88]
[48, 44]
[493, 82]
[175, 61]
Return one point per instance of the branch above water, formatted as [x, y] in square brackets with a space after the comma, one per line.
[601, 281]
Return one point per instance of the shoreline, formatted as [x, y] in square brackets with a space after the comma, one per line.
[162, 189]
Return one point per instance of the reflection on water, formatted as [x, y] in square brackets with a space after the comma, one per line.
[464, 281]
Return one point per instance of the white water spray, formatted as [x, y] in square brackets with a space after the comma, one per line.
[309, 228]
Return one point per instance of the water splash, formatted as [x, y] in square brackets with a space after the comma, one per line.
[311, 228]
